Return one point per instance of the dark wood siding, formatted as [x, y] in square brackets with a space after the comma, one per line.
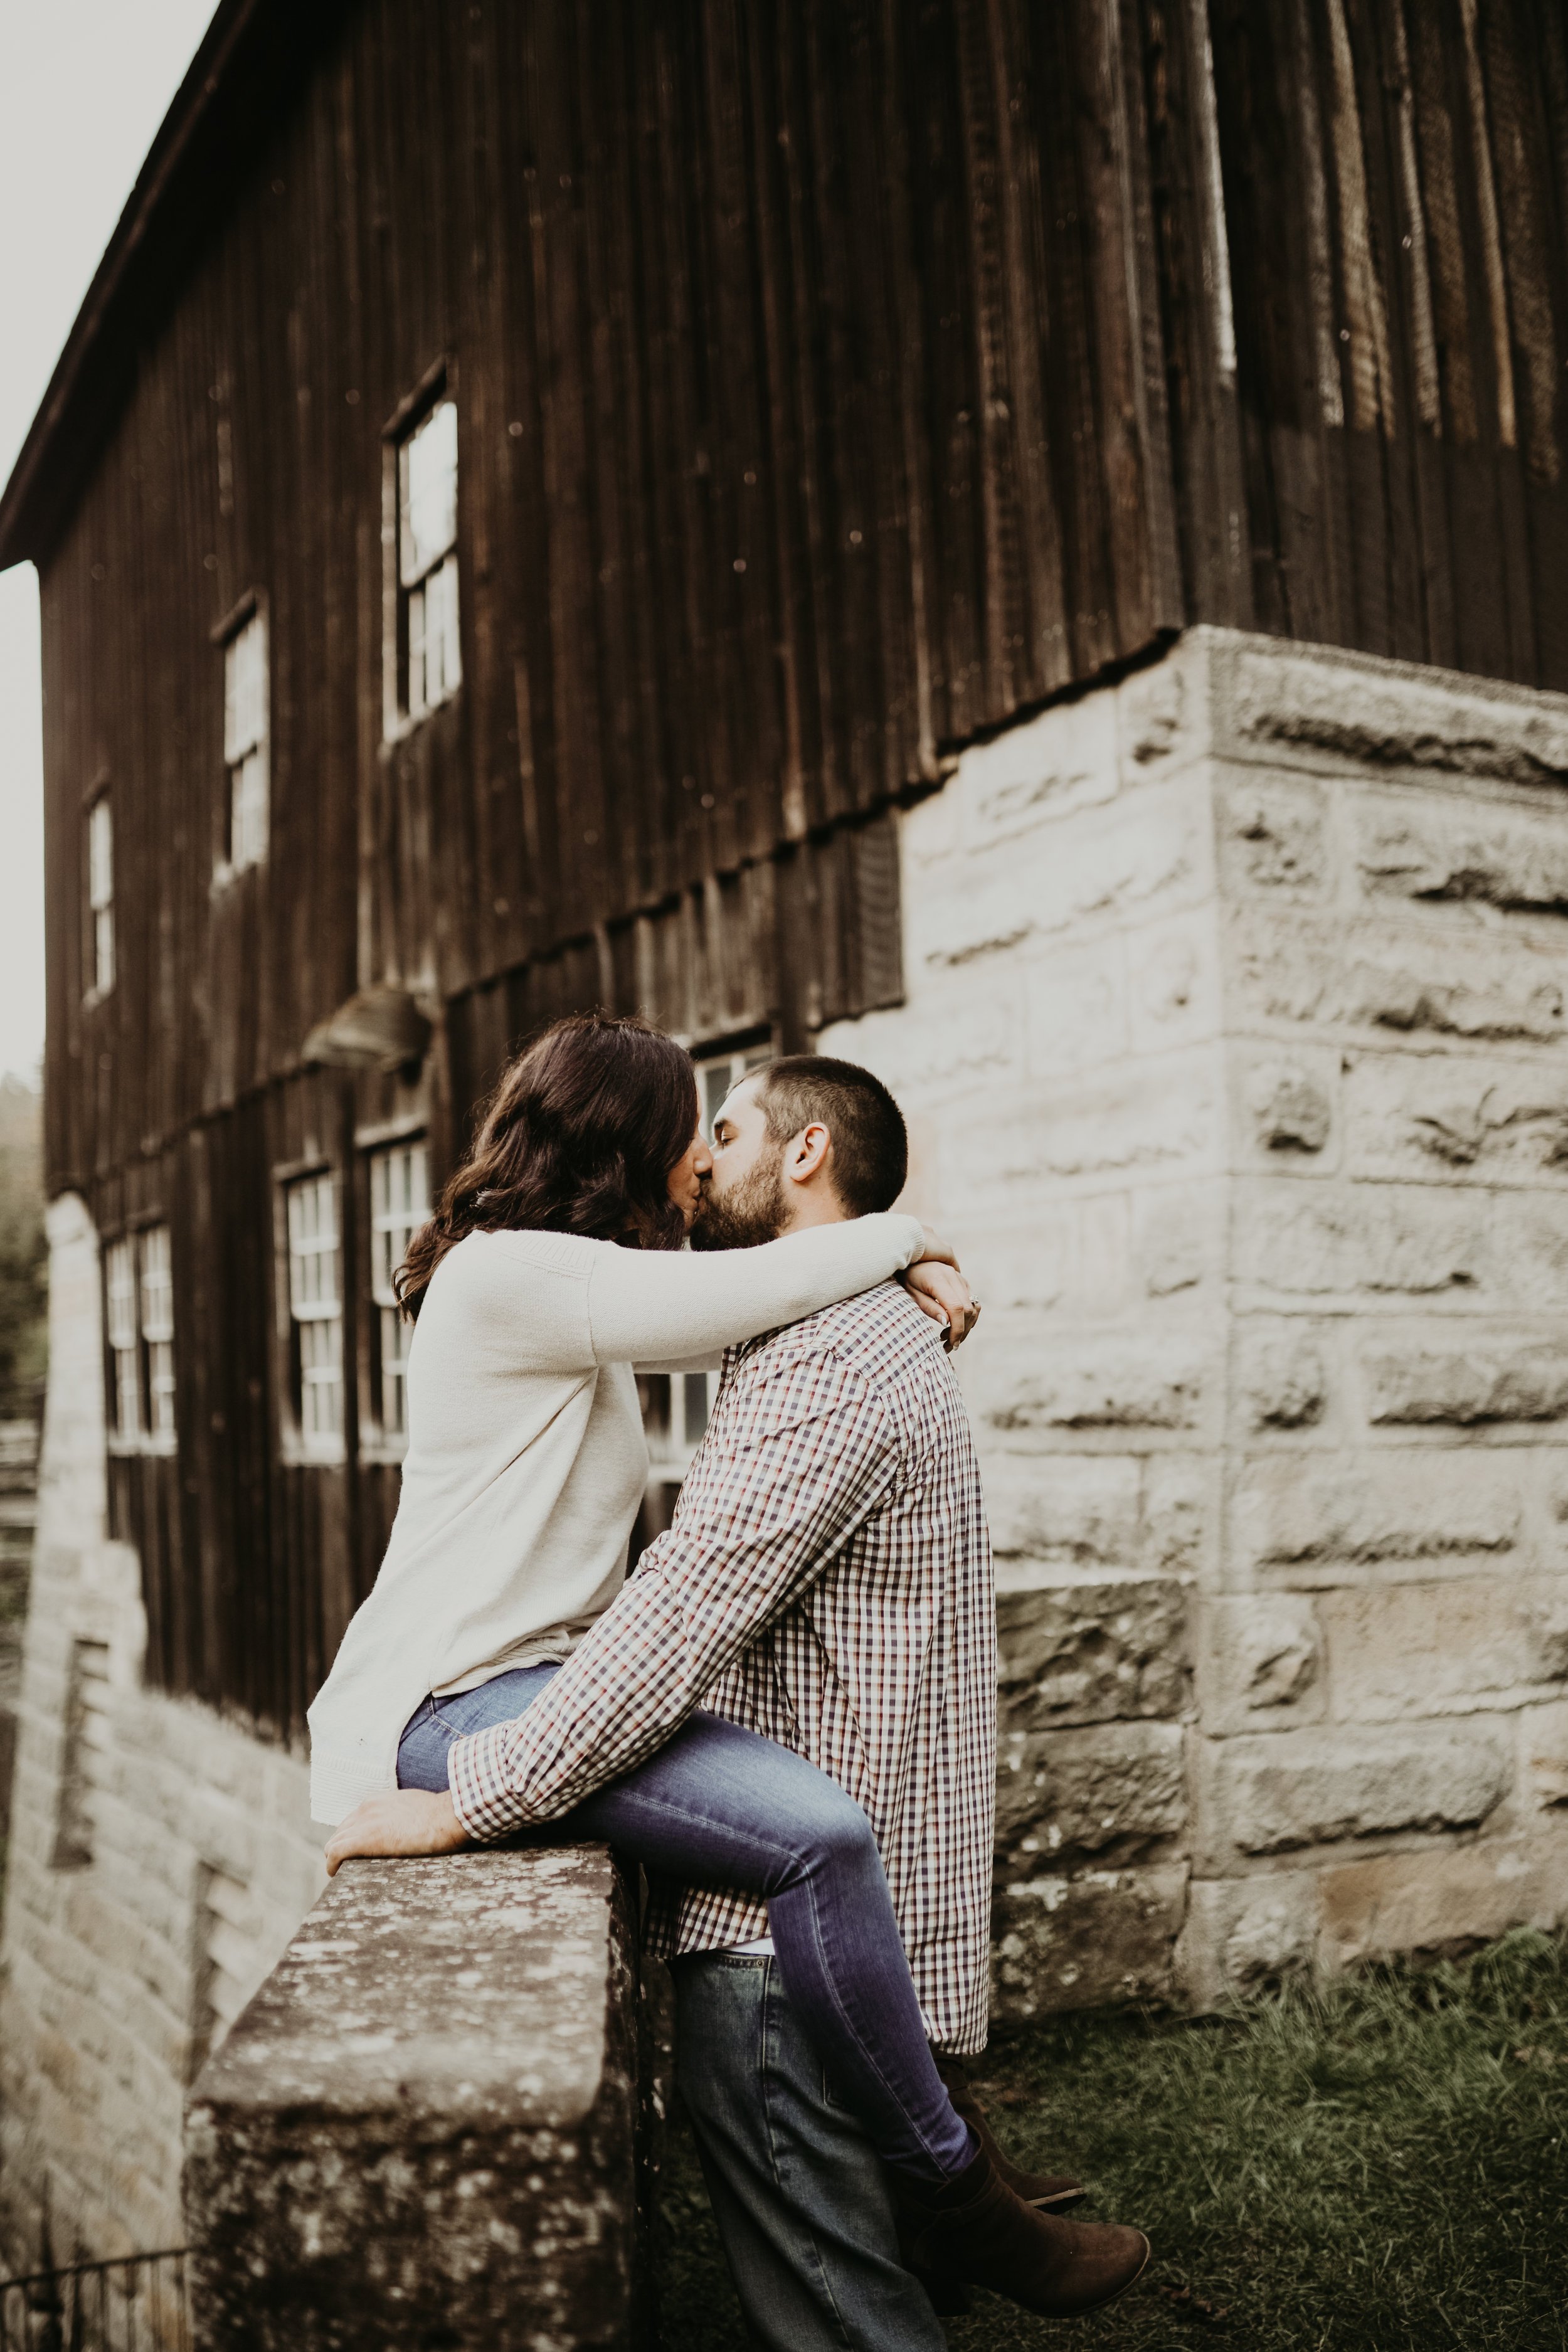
[835, 380]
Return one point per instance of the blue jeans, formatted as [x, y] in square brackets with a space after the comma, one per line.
[802, 2205]
[719, 1806]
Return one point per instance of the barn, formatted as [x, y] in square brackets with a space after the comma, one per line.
[1021, 541]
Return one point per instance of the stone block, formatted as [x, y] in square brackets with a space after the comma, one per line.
[1179, 1513]
[1076, 1010]
[1091, 1652]
[1530, 1251]
[1543, 1758]
[1462, 1376]
[1260, 1662]
[1089, 1942]
[1511, 858]
[1464, 1646]
[1442, 1902]
[423, 2127]
[1162, 715]
[1456, 1119]
[1149, 855]
[1338, 711]
[1289, 1789]
[1108, 1791]
[1043, 768]
[1173, 994]
[1420, 981]
[1148, 1120]
[1314, 1518]
[1179, 1237]
[1282, 1381]
[1273, 839]
[1287, 1104]
[1089, 1380]
[1360, 1241]
[1241, 1935]
[1077, 1511]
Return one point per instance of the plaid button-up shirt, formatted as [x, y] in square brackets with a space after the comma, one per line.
[827, 1583]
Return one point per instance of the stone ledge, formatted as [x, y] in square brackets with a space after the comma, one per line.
[424, 2128]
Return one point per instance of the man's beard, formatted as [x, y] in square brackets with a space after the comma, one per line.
[752, 1212]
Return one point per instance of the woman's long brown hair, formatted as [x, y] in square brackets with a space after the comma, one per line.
[579, 1137]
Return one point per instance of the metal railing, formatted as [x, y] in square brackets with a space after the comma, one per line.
[137, 2304]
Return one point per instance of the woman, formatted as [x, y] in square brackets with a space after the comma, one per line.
[526, 1466]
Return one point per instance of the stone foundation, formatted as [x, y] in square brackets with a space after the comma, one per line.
[160, 1858]
[1233, 1058]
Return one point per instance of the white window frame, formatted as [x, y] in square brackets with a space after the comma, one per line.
[103, 964]
[422, 655]
[313, 1232]
[139, 1327]
[399, 1174]
[245, 827]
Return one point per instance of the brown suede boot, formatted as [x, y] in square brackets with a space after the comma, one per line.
[975, 2230]
[1053, 2193]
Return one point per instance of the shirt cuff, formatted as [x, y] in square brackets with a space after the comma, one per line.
[482, 1798]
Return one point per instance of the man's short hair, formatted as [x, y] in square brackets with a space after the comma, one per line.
[870, 1145]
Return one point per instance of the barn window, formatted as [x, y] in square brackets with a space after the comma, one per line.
[158, 1331]
[124, 1352]
[245, 744]
[399, 1205]
[101, 894]
[429, 654]
[139, 1300]
[316, 1309]
[719, 1071]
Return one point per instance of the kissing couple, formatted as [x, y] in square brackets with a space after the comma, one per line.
[788, 1714]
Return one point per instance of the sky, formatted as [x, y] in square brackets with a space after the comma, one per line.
[84, 86]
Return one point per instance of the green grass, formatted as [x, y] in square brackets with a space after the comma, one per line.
[1380, 2165]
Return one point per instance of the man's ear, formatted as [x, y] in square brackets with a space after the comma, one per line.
[810, 1154]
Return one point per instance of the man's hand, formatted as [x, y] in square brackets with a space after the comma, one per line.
[401, 1821]
[940, 1291]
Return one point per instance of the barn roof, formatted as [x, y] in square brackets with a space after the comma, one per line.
[251, 54]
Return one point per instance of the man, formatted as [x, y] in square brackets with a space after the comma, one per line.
[827, 1583]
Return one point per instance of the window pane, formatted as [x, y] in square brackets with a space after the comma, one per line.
[696, 1406]
[161, 1388]
[399, 1205]
[428, 483]
[313, 1286]
[119, 1287]
[418, 700]
[450, 651]
[101, 856]
[247, 812]
[157, 1286]
[245, 693]
[103, 950]
[321, 1377]
[121, 1293]
[395, 1338]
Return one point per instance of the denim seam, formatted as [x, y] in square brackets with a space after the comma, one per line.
[824, 2280]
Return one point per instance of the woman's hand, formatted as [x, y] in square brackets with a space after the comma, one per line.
[936, 1250]
[400, 1820]
[940, 1291]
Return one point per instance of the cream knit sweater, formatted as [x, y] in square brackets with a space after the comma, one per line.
[526, 1460]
